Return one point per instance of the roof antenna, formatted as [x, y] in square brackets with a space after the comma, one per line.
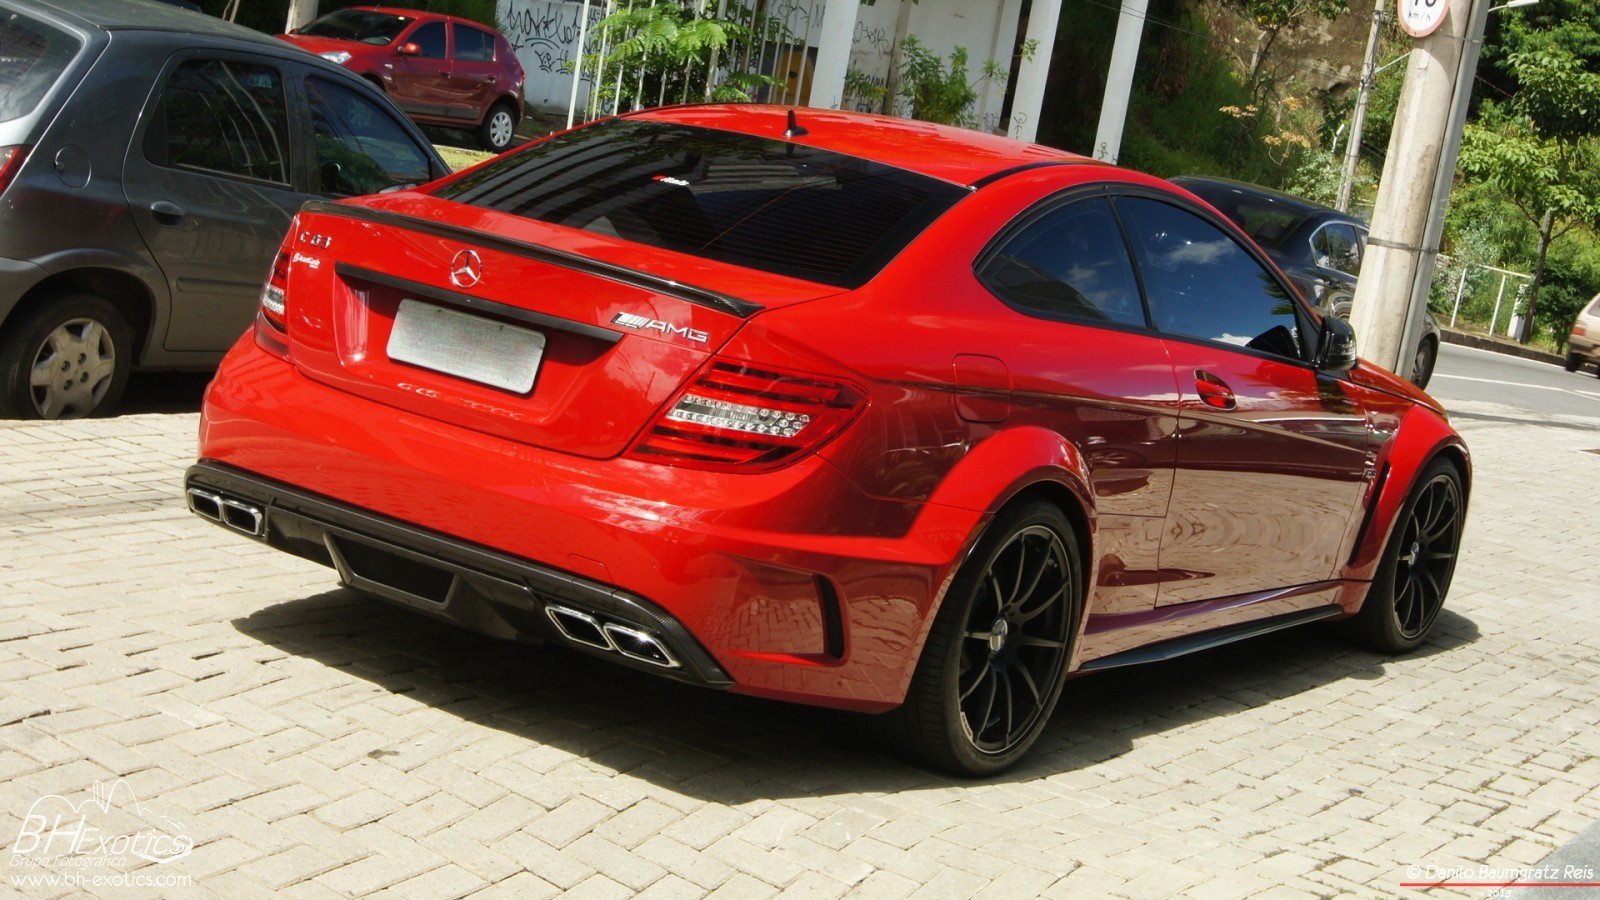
[794, 129]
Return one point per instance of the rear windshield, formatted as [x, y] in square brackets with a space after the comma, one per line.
[362, 25]
[756, 202]
[32, 56]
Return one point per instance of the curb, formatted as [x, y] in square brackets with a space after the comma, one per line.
[1498, 346]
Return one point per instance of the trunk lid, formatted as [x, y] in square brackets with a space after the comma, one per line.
[516, 328]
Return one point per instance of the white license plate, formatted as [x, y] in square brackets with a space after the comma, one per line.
[466, 346]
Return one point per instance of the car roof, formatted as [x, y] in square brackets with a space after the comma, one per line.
[957, 155]
[139, 15]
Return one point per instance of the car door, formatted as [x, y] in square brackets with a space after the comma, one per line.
[421, 84]
[474, 73]
[1081, 361]
[211, 183]
[1272, 455]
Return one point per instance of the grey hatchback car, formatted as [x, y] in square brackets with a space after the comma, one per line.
[150, 161]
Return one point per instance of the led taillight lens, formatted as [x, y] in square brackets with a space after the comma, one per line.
[741, 417]
[272, 330]
[10, 163]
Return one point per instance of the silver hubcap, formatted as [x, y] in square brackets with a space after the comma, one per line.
[500, 128]
[72, 370]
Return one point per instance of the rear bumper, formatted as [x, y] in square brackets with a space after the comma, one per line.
[790, 584]
[471, 586]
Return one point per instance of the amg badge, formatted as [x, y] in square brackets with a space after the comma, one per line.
[629, 320]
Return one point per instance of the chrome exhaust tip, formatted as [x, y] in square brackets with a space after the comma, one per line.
[205, 504]
[640, 645]
[235, 514]
[243, 517]
[579, 627]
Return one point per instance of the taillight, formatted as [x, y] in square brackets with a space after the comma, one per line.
[10, 163]
[741, 417]
[272, 330]
[1579, 330]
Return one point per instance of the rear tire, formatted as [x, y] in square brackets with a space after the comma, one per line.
[499, 128]
[1414, 573]
[66, 358]
[996, 657]
[1574, 362]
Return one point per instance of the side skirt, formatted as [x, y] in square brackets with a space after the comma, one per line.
[1170, 649]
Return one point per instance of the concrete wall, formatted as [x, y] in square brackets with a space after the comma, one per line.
[545, 35]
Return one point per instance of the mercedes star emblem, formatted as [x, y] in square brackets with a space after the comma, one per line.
[465, 269]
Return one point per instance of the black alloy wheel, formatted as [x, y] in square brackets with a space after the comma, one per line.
[996, 658]
[1414, 575]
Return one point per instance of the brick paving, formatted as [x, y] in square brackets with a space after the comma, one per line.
[312, 742]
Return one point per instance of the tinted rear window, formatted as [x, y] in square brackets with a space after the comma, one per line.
[32, 56]
[751, 201]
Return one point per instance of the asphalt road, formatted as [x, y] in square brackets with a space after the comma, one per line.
[1465, 373]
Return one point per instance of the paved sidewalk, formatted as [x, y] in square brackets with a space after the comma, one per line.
[311, 742]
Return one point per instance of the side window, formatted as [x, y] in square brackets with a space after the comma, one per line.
[1335, 247]
[472, 44]
[1201, 283]
[430, 38]
[222, 116]
[1071, 263]
[360, 148]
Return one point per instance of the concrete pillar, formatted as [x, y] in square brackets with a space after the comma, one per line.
[1392, 294]
[300, 12]
[1028, 99]
[1119, 81]
[833, 53]
[1004, 45]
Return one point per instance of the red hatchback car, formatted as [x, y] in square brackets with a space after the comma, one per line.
[830, 408]
[439, 69]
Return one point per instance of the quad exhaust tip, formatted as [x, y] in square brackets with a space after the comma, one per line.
[226, 511]
[582, 628]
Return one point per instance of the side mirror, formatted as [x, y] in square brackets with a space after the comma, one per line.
[410, 49]
[1336, 346]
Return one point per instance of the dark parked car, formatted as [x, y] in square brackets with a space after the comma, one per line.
[440, 69]
[1318, 247]
[829, 408]
[150, 161]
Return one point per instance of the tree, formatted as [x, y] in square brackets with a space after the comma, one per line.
[1272, 18]
[1542, 150]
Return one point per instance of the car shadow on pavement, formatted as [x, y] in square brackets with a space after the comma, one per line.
[164, 392]
[726, 748]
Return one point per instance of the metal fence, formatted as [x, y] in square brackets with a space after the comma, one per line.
[654, 52]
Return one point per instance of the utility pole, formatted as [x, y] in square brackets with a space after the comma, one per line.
[1369, 73]
[1392, 294]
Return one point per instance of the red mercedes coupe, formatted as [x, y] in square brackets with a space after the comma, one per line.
[829, 408]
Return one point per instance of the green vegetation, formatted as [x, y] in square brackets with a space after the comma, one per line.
[1206, 100]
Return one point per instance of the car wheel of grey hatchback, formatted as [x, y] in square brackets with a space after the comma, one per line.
[65, 359]
[498, 129]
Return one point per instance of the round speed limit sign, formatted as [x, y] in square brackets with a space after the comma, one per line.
[1421, 18]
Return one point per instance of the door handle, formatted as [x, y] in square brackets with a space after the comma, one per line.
[167, 212]
[1213, 391]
